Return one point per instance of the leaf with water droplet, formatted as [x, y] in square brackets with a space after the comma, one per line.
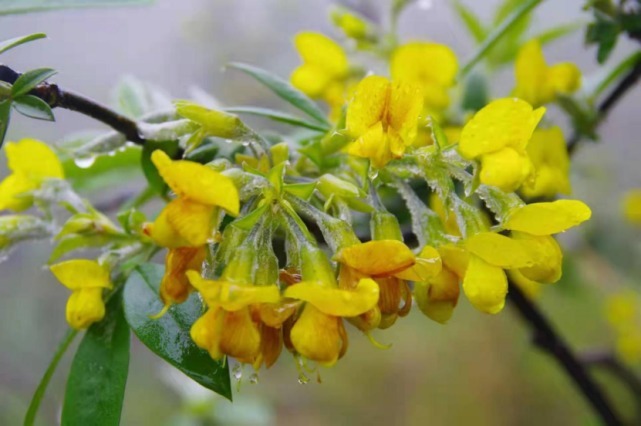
[168, 336]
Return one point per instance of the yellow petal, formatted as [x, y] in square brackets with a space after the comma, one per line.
[432, 66]
[230, 296]
[84, 307]
[311, 80]
[193, 222]
[207, 332]
[378, 257]
[455, 258]
[632, 206]
[438, 297]
[33, 159]
[197, 183]
[549, 258]
[532, 289]
[485, 285]
[334, 301]
[240, 337]
[317, 336]
[531, 74]
[368, 105]
[79, 274]
[163, 233]
[213, 122]
[499, 250]
[504, 122]
[175, 287]
[506, 169]
[548, 152]
[404, 107]
[548, 218]
[428, 265]
[564, 78]
[373, 144]
[323, 52]
[13, 191]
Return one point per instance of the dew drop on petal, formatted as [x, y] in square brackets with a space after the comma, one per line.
[303, 379]
[253, 379]
[84, 162]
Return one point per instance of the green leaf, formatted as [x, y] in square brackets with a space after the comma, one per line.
[471, 21]
[76, 242]
[605, 34]
[285, 91]
[14, 42]
[555, 33]
[513, 19]
[5, 117]
[29, 80]
[8, 7]
[139, 99]
[168, 336]
[33, 107]
[149, 169]
[280, 116]
[595, 86]
[30, 416]
[96, 383]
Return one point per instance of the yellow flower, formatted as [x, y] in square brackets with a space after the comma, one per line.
[549, 155]
[382, 118]
[318, 333]
[175, 287]
[430, 66]
[228, 327]
[538, 83]
[31, 162]
[622, 312]
[188, 220]
[632, 206]
[547, 218]
[498, 136]
[324, 71]
[86, 279]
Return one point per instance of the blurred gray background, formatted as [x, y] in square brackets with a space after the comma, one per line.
[477, 368]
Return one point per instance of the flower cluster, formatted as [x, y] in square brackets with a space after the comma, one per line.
[387, 144]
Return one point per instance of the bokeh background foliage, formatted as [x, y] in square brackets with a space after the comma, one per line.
[477, 368]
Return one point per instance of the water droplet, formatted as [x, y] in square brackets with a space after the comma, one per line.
[84, 162]
[253, 379]
[303, 379]
[237, 372]
[372, 173]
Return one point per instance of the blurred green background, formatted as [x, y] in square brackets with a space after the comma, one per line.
[478, 369]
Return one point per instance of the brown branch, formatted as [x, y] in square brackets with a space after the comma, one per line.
[56, 97]
[546, 338]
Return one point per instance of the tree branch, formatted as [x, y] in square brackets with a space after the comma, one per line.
[56, 97]
[546, 338]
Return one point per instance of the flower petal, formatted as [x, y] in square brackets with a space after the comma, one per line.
[368, 106]
[485, 285]
[428, 265]
[378, 257]
[548, 218]
[193, 222]
[317, 336]
[197, 183]
[33, 159]
[323, 52]
[79, 274]
[334, 301]
[230, 296]
[84, 307]
[504, 122]
[499, 250]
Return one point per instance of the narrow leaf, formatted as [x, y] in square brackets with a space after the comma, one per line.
[33, 107]
[30, 417]
[284, 90]
[29, 80]
[506, 25]
[557, 32]
[168, 336]
[280, 116]
[471, 21]
[14, 42]
[5, 116]
[96, 384]
[8, 7]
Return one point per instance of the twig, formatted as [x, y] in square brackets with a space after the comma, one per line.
[56, 97]
[546, 338]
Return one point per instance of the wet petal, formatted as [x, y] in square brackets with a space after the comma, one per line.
[240, 337]
[378, 257]
[428, 265]
[33, 159]
[499, 250]
[316, 336]
[207, 332]
[193, 222]
[485, 285]
[78, 274]
[334, 301]
[368, 106]
[197, 183]
[548, 218]
[84, 307]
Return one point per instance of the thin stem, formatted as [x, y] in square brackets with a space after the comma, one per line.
[546, 338]
[30, 417]
[59, 98]
[498, 32]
